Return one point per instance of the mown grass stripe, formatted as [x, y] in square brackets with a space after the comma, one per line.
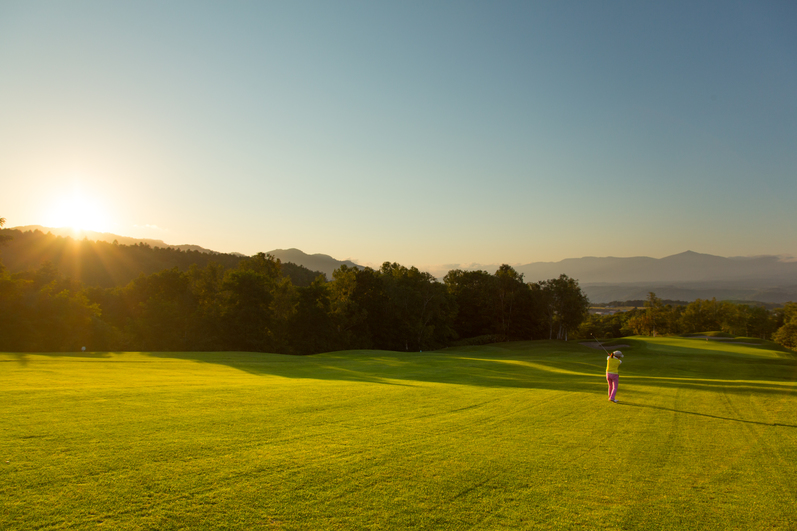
[515, 436]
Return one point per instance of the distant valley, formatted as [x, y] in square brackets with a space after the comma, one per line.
[686, 276]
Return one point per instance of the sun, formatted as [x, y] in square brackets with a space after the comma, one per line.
[78, 211]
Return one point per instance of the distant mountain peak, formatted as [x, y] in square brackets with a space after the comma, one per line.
[687, 254]
[293, 251]
[316, 262]
[688, 266]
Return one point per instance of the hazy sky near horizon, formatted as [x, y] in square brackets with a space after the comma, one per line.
[417, 132]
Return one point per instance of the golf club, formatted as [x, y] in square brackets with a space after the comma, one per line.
[599, 343]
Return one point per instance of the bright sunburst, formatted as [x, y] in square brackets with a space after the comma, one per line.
[78, 211]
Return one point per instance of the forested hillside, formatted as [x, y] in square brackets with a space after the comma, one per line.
[104, 264]
[81, 234]
[77, 297]
[104, 297]
[255, 307]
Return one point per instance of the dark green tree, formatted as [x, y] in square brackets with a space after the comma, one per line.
[509, 290]
[64, 319]
[247, 315]
[760, 322]
[349, 305]
[474, 295]
[701, 316]
[311, 328]
[207, 330]
[566, 306]
[162, 307]
[421, 311]
[786, 334]
[655, 315]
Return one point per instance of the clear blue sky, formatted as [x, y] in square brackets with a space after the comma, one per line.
[425, 133]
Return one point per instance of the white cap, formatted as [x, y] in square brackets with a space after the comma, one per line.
[617, 354]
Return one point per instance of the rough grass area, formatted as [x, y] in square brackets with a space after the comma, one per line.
[507, 436]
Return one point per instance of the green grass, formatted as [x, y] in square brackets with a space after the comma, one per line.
[507, 436]
[713, 333]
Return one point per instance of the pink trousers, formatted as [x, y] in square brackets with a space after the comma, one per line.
[613, 380]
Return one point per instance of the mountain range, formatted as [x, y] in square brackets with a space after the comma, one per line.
[688, 266]
[685, 276]
[314, 262]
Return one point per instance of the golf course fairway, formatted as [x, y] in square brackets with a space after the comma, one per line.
[506, 436]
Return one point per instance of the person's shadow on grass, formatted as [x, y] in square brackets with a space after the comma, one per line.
[707, 415]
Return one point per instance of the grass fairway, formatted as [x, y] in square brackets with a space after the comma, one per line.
[509, 436]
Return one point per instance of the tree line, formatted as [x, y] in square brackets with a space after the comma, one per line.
[657, 317]
[261, 304]
[256, 306]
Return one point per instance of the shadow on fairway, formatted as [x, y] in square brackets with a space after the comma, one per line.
[527, 365]
[647, 406]
[741, 386]
[24, 358]
[570, 369]
[552, 365]
[20, 357]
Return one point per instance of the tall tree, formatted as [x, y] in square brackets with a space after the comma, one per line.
[509, 289]
[567, 305]
[349, 308]
[701, 316]
[786, 335]
[43, 311]
[655, 315]
[163, 306]
[421, 310]
[474, 294]
[207, 330]
[311, 327]
[247, 316]
[760, 322]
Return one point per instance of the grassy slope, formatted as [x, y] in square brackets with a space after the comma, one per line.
[512, 436]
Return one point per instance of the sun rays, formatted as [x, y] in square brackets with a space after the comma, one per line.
[79, 211]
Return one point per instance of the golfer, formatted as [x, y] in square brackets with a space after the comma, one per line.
[613, 372]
